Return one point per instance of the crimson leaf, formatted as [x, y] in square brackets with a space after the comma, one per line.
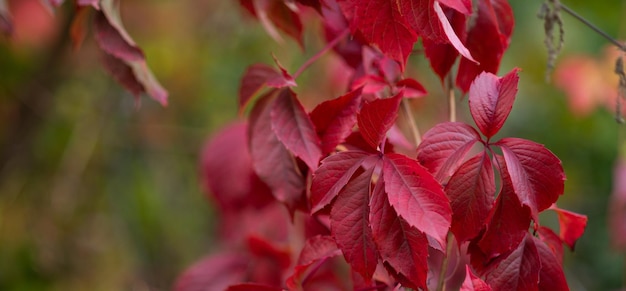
[253, 287]
[275, 13]
[472, 282]
[519, 270]
[536, 173]
[334, 173]
[571, 225]
[400, 245]
[444, 146]
[471, 190]
[416, 196]
[294, 128]
[377, 117]
[491, 99]
[551, 276]
[257, 76]
[215, 272]
[553, 241]
[349, 225]
[316, 249]
[493, 25]
[271, 160]
[334, 119]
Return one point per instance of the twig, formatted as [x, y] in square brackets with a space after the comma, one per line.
[571, 12]
[326, 48]
[417, 137]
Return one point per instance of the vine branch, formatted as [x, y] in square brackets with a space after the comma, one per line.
[325, 49]
[593, 27]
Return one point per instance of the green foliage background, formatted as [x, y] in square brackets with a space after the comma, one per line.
[97, 195]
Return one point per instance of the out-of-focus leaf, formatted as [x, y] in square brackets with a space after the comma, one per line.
[571, 225]
[215, 272]
[472, 282]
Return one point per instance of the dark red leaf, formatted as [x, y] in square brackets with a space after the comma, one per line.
[227, 172]
[421, 16]
[416, 196]
[334, 173]
[334, 119]
[571, 225]
[411, 88]
[493, 26]
[508, 220]
[403, 247]
[444, 147]
[253, 287]
[294, 128]
[381, 23]
[551, 276]
[261, 247]
[349, 225]
[536, 173]
[312, 3]
[443, 55]
[316, 250]
[122, 73]
[113, 42]
[275, 13]
[553, 241]
[491, 99]
[471, 192]
[519, 270]
[451, 35]
[377, 117]
[472, 282]
[214, 272]
[270, 159]
[257, 76]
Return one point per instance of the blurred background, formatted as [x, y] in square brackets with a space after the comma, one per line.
[96, 194]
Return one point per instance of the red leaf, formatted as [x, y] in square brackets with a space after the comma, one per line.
[441, 57]
[377, 117]
[350, 227]
[294, 128]
[316, 250]
[400, 245]
[421, 16]
[462, 6]
[553, 241]
[451, 34]
[270, 159]
[334, 173]
[411, 88]
[6, 22]
[551, 276]
[519, 270]
[508, 220]
[122, 73]
[571, 225]
[416, 196]
[536, 173]
[486, 40]
[444, 147]
[491, 99]
[215, 272]
[471, 190]
[252, 287]
[472, 282]
[227, 173]
[381, 23]
[113, 42]
[257, 76]
[334, 119]
[275, 13]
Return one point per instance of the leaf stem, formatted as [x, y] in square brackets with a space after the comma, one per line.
[441, 284]
[326, 48]
[573, 13]
[417, 137]
[451, 98]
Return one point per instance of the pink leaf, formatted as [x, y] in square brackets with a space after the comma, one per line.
[270, 159]
[400, 245]
[257, 76]
[349, 225]
[519, 270]
[493, 26]
[381, 23]
[491, 99]
[472, 282]
[471, 190]
[416, 196]
[551, 276]
[536, 173]
[451, 34]
[508, 220]
[94, 3]
[377, 117]
[444, 146]
[571, 225]
[462, 6]
[214, 272]
[334, 173]
[334, 119]
[294, 128]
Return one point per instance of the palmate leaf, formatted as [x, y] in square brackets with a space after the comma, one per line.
[471, 192]
[271, 160]
[536, 173]
[491, 99]
[349, 225]
[416, 196]
[294, 128]
[402, 247]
